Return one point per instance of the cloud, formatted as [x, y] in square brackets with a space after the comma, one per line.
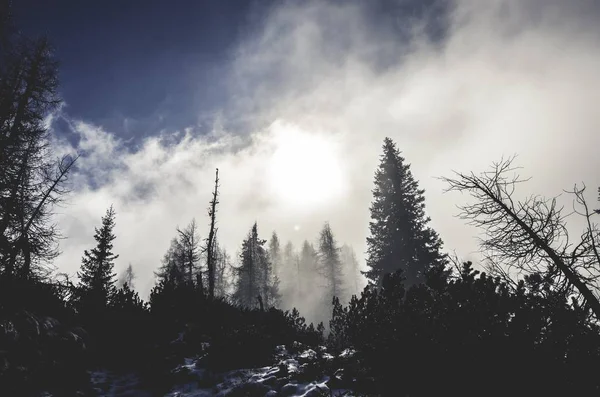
[506, 77]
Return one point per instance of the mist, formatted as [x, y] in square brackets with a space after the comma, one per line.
[456, 87]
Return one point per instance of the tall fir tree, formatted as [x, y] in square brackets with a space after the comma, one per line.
[96, 276]
[400, 237]
[330, 265]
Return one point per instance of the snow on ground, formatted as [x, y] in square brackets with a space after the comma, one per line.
[277, 380]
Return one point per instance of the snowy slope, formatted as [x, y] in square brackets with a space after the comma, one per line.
[288, 377]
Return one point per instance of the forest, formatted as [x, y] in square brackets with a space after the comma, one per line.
[524, 321]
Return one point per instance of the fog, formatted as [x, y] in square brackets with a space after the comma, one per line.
[456, 88]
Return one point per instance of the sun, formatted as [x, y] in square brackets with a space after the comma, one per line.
[305, 168]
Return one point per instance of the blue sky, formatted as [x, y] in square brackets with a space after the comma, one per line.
[159, 65]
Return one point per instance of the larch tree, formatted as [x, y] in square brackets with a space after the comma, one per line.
[400, 237]
[172, 271]
[330, 265]
[190, 252]
[32, 181]
[96, 276]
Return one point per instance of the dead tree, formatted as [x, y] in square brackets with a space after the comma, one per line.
[531, 236]
[210, 241]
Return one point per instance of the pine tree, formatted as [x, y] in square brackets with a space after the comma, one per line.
[96, 277]
[330, 265]
[307, 268]
[275, 254]
[127, 277]
[222, 266]
[255, 277]
[400, 237]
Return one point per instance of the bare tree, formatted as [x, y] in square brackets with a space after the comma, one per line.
[531, 236]
[32, 182]
[188, 240]
[210, 241]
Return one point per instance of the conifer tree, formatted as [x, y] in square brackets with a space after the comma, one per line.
[307, 268]
[32, 181]
[172, 271]
[180, 264]
[330, 265]
[127, 277]
[255, 278]
[400, 237]
[275, 254]
[222, 267]
[190, 252]
[96, 277]
[351, 269]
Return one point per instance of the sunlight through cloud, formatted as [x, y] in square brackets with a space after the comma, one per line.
[306, 169]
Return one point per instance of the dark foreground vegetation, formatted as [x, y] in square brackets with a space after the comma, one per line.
[424, 326]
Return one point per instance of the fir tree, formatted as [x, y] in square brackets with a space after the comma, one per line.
[222, 264]
[127, 277]
[96, 277]
[275, 254]
[400, 237]
[307, 268]
[255, 277]
[330, 265]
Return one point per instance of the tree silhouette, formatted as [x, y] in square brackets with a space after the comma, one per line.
[275, 254]
[96, 277]
[400, 237]
[308, 268]
[330, 265]
[531, 236]
[212, 235]
[32, 182]
[255, 276]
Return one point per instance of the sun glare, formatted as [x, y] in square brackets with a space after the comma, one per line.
[305, 168]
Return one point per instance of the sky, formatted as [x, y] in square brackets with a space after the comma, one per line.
[291, 101]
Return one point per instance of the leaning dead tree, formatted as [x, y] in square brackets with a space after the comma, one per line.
[530, 236]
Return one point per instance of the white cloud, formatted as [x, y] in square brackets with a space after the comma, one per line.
[510, 77]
